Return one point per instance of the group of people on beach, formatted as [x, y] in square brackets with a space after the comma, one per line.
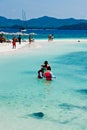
[2, 38]
[19, 39]
[14, 40]
[45, 72]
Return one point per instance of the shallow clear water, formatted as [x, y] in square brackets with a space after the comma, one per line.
[63, 100]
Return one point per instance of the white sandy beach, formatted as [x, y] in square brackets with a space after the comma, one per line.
[6, 48]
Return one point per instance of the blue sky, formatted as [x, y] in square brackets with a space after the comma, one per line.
[38, 8]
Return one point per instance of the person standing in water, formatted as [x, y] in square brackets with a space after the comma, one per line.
[45, 65]
[48, 74]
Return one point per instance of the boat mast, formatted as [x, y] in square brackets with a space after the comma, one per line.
[23, 20]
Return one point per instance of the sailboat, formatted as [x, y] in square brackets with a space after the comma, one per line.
[23, 29]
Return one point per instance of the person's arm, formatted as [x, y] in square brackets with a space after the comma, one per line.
[53, 76]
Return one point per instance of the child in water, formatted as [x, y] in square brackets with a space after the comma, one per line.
[45, 65]
[41, 73]
[48, 74]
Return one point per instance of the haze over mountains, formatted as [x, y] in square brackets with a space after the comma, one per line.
[44, 22]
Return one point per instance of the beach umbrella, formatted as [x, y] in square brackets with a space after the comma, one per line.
[25, 34]
[18, 33]
[32, 34]
[4, 33]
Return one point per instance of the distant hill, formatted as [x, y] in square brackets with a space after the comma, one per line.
[44, 22]
[4, 22]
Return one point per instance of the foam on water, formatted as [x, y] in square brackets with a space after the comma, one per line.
[63, 102]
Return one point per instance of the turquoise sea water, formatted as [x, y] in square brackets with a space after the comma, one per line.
[63, 101]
